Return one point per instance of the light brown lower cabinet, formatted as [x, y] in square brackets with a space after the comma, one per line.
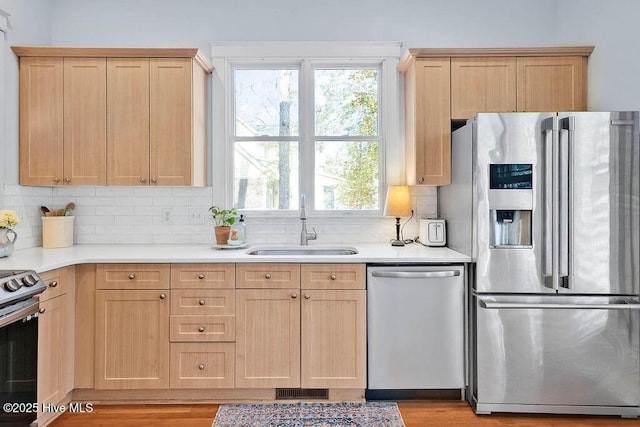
[202, 365]
[132, 339]
[55, 350]
[309, 338]
[267, 338]
[333, 336]
[55, 339]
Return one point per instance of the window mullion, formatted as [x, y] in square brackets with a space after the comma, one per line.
[307, 126]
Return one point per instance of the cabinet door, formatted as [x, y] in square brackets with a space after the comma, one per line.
[55, 350]
[132, 339]
[267, 338]
[484, 85]
[85, 126]
[429, 121]
[127, 121]
[41, 121]
[552, 83]
[170, 121]
[334, 339]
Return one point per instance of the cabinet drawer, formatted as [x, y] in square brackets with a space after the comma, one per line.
[198, 276]
[333, 276]
[58, 282]
[203, 328]
[202, 365]
[132, 276]
[258, 276]
[203, 301]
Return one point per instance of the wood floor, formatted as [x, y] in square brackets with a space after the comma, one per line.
[414, 414]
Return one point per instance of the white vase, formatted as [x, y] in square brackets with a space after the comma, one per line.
[7, 238]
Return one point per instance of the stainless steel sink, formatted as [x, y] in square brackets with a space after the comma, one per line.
[302, 250]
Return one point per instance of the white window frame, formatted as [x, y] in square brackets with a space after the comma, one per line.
[227, 55]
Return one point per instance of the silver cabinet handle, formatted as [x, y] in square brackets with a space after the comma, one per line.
[201, 366]
[41, 310]
[56, 179]
[132, 276]
[66, 180]
[200, 276]
[307, 296]
[546, 306]
[421, 179]
[143, 180]
[333, 277]
[202, 302]
[201, 329]
[154, 180]
[163, 296]
[294, 296]
[53, 284]
[416, 274]
[267, 276]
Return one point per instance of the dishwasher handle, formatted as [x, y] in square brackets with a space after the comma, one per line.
[415, 274]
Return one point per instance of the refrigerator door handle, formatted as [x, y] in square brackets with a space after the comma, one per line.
[551, 171]
[565, 187]
[489, 305]
[416, 274]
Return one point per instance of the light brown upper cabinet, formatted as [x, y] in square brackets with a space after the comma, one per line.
[128, 121]
[552, 83]
[123, 116]
[442, 85]
[41, 121]
[482, 84]
[428, 121]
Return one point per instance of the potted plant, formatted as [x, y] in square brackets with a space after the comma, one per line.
[224, 219]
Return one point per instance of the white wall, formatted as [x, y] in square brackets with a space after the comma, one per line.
[614, 65]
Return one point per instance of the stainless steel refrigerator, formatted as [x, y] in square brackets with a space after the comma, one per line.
[547, 206]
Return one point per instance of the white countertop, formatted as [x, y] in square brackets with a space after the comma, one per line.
[40, 259]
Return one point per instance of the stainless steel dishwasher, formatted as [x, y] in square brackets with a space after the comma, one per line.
[415, 327]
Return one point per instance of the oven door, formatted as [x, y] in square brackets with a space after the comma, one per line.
[19, 364]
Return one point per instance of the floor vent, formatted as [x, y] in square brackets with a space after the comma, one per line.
[302, 393]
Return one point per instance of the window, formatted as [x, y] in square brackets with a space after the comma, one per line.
[306, 124]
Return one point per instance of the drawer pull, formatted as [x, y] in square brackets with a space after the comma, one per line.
[201, 366]
[53, 284]
[132, 276]
[42, 310]
[333, 277]
[200, 276]
[202, 302]
[163, 296]
[307, 296]
[201, 329]
[267, 276]
[294, 296]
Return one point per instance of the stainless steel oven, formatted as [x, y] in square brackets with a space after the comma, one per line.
[19, 309]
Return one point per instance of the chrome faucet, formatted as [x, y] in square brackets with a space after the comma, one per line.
[304, 235]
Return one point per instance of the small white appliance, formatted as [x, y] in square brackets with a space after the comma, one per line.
[433, 232]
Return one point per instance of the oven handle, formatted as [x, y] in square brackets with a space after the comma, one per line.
[29, 310]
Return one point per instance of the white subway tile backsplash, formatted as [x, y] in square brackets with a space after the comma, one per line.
[134, 215]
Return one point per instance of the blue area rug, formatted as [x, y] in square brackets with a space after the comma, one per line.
[366, 414]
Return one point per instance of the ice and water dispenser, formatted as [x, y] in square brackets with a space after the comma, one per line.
[511, 205]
